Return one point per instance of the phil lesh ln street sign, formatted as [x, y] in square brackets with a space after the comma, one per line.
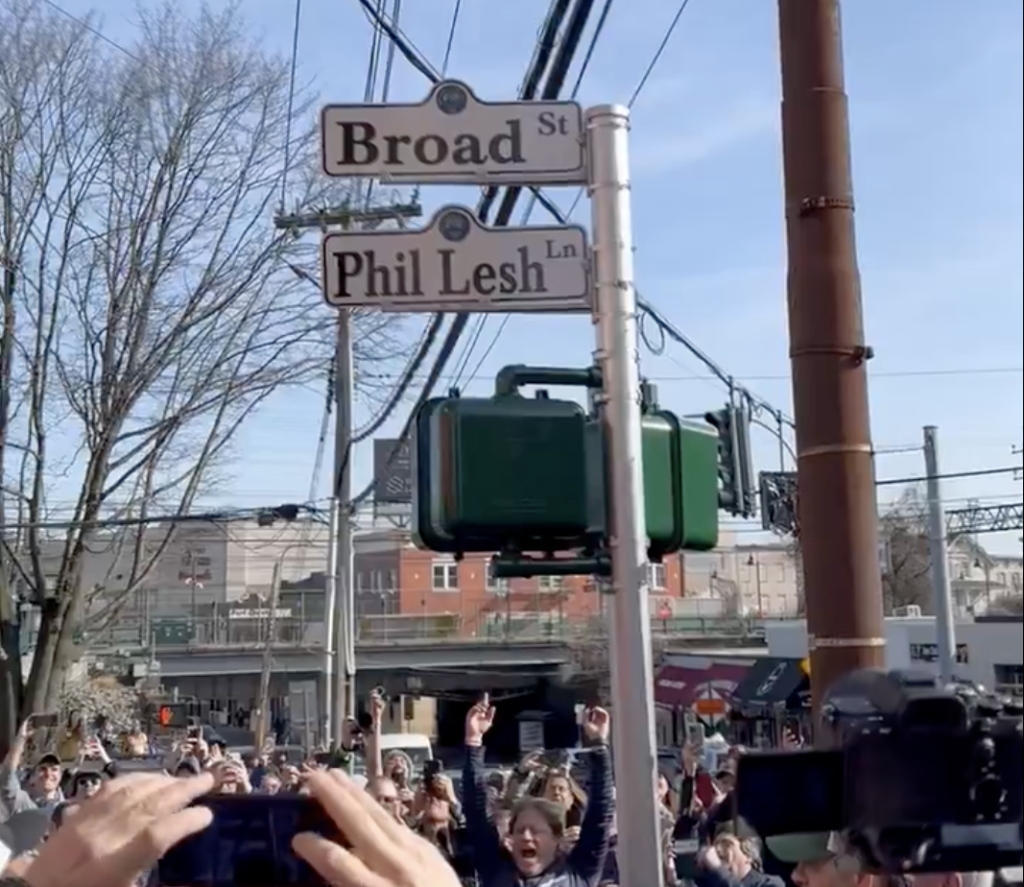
[457, 264]
[453, 137]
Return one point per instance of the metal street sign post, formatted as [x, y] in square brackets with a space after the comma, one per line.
[454, 137]
[632, 670]
[457, 264]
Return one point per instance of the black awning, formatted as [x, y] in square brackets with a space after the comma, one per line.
[772, 683]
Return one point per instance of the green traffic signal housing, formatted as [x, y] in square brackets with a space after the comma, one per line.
[680, 461]
[515, 475]
[501, 472]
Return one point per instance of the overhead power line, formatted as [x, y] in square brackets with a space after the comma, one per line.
[267, 516]
[555, 62]
[659, 52]
[956, 475]
[782, 377]
[581, 73]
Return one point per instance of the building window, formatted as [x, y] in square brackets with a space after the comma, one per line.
[656, 578]
[446, 576]
[494, 584]
[1009, 678]
[550, 583]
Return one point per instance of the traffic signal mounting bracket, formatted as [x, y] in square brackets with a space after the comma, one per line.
[511, 565]
[515, 376]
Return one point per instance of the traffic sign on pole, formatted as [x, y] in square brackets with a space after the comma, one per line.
[455, 263]
[453, 137]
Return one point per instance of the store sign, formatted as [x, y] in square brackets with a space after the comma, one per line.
[259, 614]
[769, 682]
[930, 653]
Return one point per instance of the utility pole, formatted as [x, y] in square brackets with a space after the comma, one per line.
[835, 465]
[263, 725]
[339, 670]
[938, 556]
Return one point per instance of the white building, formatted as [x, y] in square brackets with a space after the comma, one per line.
[989, 653]
[756, 580]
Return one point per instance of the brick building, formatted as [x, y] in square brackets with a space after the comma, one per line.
[394, 578]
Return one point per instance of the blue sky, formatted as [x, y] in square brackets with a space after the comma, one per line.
[936, 107]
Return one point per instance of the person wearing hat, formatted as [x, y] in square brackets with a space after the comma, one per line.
[820, 859]
[43, 788]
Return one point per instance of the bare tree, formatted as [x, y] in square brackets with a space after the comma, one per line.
[150, 307]
[906, 563]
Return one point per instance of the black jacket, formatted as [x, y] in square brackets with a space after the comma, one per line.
[583, 867]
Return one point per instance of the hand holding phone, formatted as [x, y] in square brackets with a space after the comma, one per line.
[248, 843]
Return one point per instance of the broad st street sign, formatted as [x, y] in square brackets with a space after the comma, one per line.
[457, 264]
[453, 137]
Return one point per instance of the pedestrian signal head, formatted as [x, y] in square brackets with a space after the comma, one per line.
[172, 716]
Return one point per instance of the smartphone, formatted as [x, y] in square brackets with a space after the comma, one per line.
[248, 844]
[704, 786]
[40, 722]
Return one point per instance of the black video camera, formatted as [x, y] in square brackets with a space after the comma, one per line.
[927, 778]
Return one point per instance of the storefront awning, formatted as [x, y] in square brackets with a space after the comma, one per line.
[684, 681]
[772, 683]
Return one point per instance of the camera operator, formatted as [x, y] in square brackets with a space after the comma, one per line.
[823, 859]
[125, 829]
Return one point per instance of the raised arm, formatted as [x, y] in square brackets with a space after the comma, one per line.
[483, 837]
[371, 747]
[588, 856]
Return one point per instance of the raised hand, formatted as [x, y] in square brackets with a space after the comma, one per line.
[382, 852]
[479, 720]
[377, 706]
[597, 725]
[122, 832]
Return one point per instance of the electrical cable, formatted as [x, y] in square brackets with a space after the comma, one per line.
[588, 57]
[659, 52]
[560, 60]
[389, 64]
[430, 334]
[427, 343]
[289, 124]
[955, 475]
[401, 42]
[641, 84]
[451, 38]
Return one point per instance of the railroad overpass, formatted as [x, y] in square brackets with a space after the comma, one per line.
[227, 668]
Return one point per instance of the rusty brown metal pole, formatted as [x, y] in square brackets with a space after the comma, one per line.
[835, 465]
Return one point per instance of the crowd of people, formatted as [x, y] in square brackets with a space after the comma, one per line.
[544, 823]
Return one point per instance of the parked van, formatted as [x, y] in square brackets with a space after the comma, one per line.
[416, 746]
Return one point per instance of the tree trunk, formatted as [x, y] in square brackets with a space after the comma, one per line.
[34, 699]
[11, 688]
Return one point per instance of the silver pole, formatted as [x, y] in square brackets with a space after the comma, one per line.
[331, 727]
[344, 700]
[945, 629]
[635, 749]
